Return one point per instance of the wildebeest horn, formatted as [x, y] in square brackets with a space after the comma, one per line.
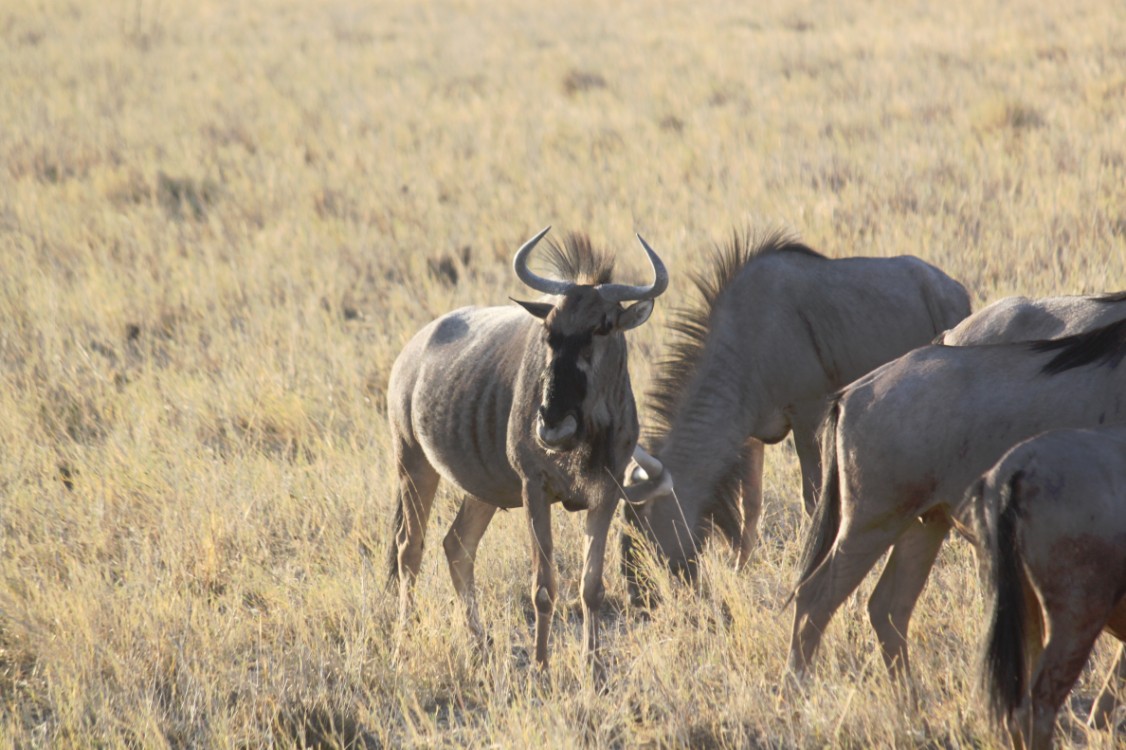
[535, 281]
[650, 478]
[650, 464]
[625, 292]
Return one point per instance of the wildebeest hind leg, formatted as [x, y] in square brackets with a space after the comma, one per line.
[899, 587]
[1105, 704]
[414, 496]
[853, 554]
[1065, 654]
[460, 544]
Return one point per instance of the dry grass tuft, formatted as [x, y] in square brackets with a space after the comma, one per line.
[578, 81]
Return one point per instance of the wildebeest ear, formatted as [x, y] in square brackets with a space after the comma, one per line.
[634, 315]
[539, 309]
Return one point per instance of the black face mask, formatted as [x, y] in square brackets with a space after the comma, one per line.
[566, 385]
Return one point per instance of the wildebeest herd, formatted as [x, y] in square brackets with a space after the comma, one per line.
[910, 417]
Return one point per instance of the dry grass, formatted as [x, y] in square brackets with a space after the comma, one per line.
[219, 222]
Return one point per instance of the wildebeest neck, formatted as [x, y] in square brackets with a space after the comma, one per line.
[704, 446]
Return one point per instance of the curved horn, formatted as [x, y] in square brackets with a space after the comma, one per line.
[642, 492]
[535, 281]
[650, 479]
[651, 465]
[625, 292]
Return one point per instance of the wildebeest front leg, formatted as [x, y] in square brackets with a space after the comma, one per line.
[461, 542]
[752, 501]
[1105, 704]
[543, 574]
[809, 456]
[594, 591]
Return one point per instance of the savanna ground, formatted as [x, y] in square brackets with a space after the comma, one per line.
[219, 222]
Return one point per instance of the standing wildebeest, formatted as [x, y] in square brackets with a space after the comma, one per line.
[519, 412]
[1050, 518]
[780, 328]
[902, 445]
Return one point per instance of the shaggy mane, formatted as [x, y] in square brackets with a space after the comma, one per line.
[575, 259]
[1102, 346]
[690, 326]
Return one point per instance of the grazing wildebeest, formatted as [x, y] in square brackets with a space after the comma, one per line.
[1024, 319]
[519, 411]
[1050, 518]
[902, 444]
[779, 328]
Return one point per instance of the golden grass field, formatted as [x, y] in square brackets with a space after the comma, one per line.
[219, 223]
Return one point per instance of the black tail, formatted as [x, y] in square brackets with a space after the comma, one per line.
[1003, 668]
[393, 546]
[827, 516]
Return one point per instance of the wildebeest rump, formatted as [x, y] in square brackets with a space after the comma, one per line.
[1050, 518]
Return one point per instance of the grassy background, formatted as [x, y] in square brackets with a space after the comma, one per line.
[219, 223]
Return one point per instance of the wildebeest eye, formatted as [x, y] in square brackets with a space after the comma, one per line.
[586, 353]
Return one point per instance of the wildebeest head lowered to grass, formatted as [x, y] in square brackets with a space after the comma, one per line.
[521, 409]
[778, 329]
[901, 446]
[1050, 518]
